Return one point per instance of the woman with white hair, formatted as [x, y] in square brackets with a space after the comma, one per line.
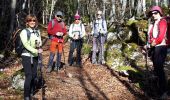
[99, 31]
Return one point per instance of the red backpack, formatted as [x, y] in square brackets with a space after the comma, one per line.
[168, 30]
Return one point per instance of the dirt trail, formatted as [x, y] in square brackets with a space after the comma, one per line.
[91, 82]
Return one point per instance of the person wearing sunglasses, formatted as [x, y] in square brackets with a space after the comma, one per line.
[30, 54]
[57, 29]
[157, 43]
[99, 32]
[76, 34]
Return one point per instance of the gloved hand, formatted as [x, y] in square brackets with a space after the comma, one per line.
[59, 33]
[40, 50]
[76, 36]
[101, 32]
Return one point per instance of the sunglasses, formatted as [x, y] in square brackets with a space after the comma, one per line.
[31, 20]
[59, 16]
[77, 19]
[154, 13]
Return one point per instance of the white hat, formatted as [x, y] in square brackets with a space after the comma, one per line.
[99, 12]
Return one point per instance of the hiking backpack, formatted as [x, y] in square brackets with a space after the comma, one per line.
[168, 30]
[19, 47]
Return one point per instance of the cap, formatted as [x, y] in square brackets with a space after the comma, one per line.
[99, 12]
[76, 16]
[156, 8]
[59, 13]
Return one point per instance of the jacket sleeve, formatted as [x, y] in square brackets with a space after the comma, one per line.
[26, 43]
[40, 38]
[104, 27]
[92, 32]
[162, 31]
[64, 29]
[50, 29]
[71, 31]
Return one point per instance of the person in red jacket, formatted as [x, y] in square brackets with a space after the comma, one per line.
[157, 33]
[56, 29]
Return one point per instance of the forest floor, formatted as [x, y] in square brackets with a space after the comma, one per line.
[90, 82]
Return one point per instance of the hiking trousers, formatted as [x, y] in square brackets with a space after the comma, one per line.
[30, 71]
[98, 45]
[75, 44]
[158, 58]
[55, 48]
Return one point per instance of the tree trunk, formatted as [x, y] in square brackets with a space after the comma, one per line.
[52, 8]
[144, 7]
[13, 7]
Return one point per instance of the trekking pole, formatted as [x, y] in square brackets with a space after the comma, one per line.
[40, 65]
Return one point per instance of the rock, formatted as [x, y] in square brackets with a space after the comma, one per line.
[111, 36]
[18, 80]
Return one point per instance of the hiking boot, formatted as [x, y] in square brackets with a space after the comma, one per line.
[49, 69]
[94, 62]
[27, 98]
[56, 68]
[103, 62]
[78, 65]
[164, 96]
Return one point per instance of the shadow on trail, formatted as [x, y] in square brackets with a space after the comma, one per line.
[90, 94]
[130, 87]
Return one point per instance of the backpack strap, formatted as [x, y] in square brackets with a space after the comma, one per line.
[102, 23]
[61, 23]
[28, 34]
[53, 23]
[80, 27]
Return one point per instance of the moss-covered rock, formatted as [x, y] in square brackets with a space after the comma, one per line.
[18, 80]
[129, 49]
[114, 56]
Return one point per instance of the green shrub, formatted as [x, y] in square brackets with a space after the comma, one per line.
[86, 48]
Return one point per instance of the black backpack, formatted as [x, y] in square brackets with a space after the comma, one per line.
[19, 47]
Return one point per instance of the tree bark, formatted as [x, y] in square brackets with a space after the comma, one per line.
[13, 7]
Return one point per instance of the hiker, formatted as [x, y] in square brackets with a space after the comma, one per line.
[99, 31]
[57, 29]
[157, 32]
[76, 34]
[30, 54]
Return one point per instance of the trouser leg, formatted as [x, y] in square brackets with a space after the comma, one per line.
[70, 57]
[159, 56]
[50, 62]
[94, 50]
[58, 61]
[34, 74]
[79, 47]
[101, 50]
[26, 62]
